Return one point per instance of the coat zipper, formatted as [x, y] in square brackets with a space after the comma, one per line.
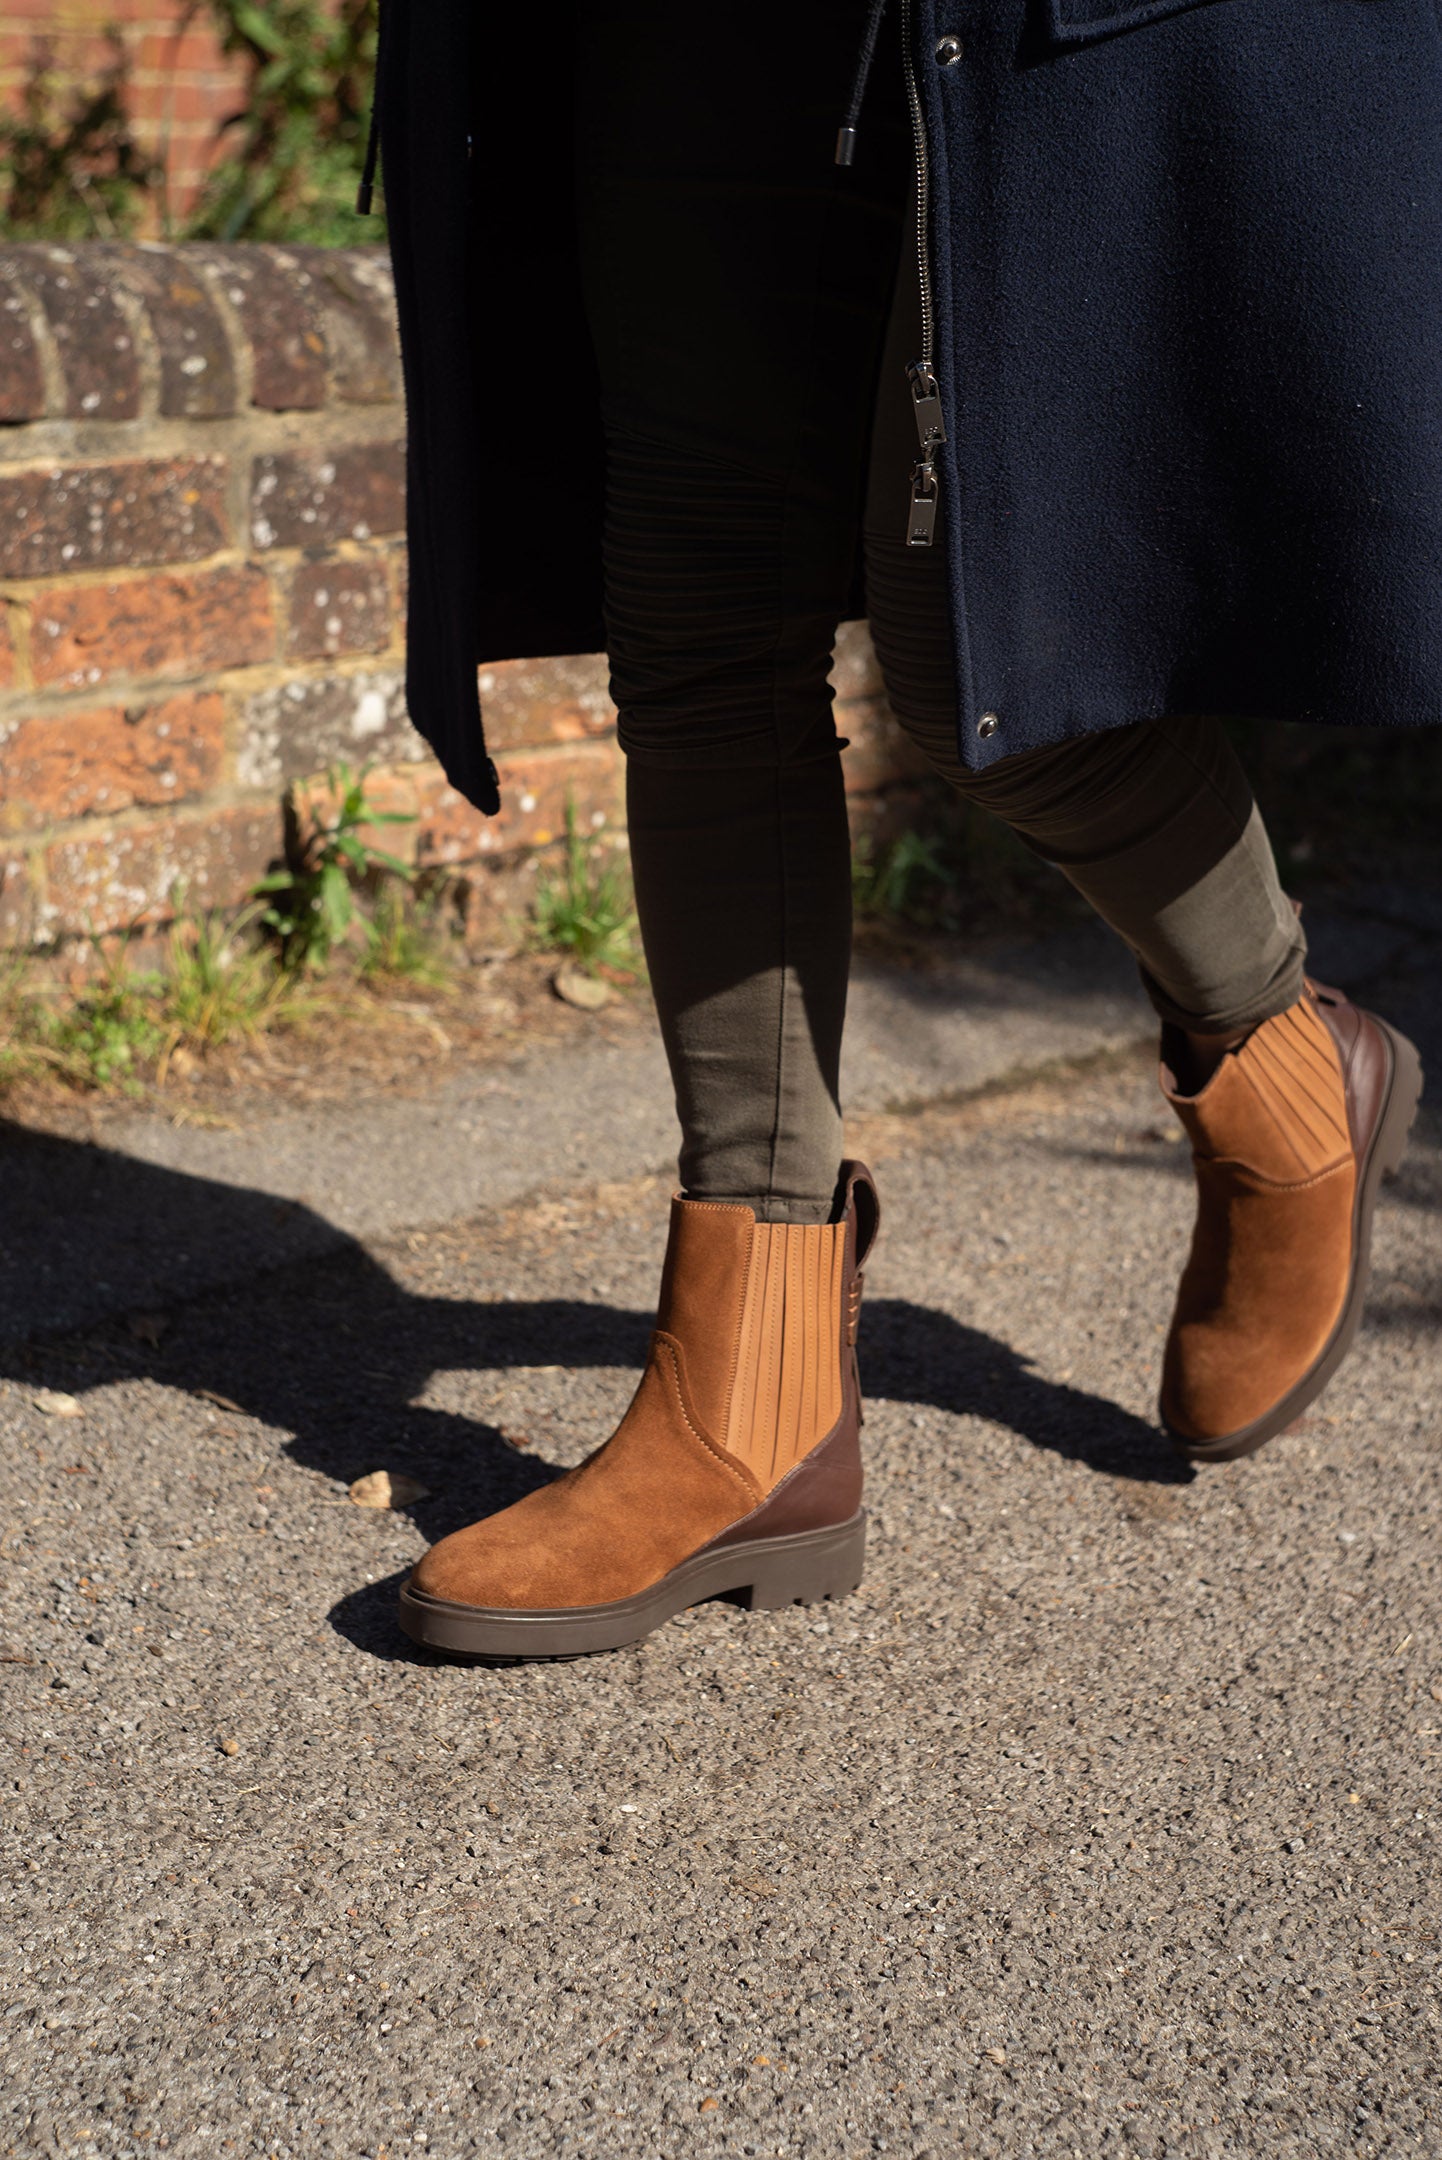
[921, 373]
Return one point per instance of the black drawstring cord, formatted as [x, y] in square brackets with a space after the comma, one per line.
[366, 191]
[846, 133]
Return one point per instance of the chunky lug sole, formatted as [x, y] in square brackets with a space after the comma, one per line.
[770, 1572]
[1383, 1156]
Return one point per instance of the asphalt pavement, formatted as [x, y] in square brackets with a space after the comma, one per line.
[1103, 1820]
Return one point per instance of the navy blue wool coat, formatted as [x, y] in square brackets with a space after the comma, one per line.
[1188, 269]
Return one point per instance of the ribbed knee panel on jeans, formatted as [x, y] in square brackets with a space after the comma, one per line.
[709, 666]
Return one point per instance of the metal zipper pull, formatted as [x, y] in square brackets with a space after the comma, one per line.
[921, 374]
[926, 403]
[921, 523]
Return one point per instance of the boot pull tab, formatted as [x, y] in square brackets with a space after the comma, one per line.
[859, 1187]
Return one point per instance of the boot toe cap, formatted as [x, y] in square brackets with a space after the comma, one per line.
[494, 1565]
[454, 1571]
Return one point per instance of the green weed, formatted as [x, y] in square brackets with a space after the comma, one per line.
[294, 150]
[905, 880]
[222, 979]
[218, 987]
[72, 169]
[288, 156]
[106, 1035]
[313, 904]
[585, 907]
[214, 987]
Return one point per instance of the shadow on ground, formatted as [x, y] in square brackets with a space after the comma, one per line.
[329, 1349]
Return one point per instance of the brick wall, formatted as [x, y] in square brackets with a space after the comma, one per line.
[202, 589]
[181, 85]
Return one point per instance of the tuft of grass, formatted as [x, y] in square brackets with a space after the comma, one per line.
[406, 943]
[585, 907]
[125, 1027]
[906, 880]
[288, 158]
[105, 1035]
[955, 868]
[219, 986]
[228, 978]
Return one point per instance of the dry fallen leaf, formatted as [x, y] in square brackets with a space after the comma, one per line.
[384, 1489]
[50, 1402]
[588, 992]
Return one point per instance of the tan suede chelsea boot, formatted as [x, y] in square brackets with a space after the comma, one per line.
[1291, 1138]
[737, 1466]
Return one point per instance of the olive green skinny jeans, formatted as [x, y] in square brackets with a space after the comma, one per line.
[752, 308]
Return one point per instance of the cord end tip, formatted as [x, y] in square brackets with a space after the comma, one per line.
[845, 145]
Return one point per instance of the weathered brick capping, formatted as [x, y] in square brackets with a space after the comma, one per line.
[202, 592]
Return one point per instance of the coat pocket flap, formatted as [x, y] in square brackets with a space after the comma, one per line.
[1082, 22]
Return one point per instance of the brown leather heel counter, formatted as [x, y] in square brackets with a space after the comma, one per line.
[824, 1488]
[1365, 1058]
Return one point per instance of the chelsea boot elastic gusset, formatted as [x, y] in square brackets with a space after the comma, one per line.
[736, 1468]
[1291, 1138]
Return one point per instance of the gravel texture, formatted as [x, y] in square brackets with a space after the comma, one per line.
[1103, 1820]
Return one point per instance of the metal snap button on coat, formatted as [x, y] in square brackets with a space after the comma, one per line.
[987, 724]
[949, 50]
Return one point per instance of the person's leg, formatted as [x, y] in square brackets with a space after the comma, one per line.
[1154, 824]
[1295, 1102]
[736, 287]
[737, 284]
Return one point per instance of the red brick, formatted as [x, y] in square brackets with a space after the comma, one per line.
[197, 367]
[339, 607]
[22, 379]
[491, 896]
[303, 725]
[356, 297]
[165, 44]
[107, 517]
[392, 789]
[533, 804]
[66, 765]
[92, 335]
[17, 903]
[308, 498]
[275, 299]
[7, 650]
[184, 102]
[527, 702]
[129, 874]
[184, 623]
